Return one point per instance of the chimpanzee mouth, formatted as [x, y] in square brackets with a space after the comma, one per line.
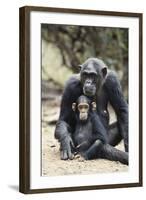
[89, 91]
[83, 116]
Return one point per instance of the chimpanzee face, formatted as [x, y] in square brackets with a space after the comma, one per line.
[82, 107]
[92, 73]
[89, 81]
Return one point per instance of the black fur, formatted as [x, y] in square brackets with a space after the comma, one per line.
[108, 90]
[90, 138]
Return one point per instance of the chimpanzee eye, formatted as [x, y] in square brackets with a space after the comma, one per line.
[86, 107]
[83, 106]
[84, 75]
[93, 76]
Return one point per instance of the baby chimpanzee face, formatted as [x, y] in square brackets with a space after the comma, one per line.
[82, 107]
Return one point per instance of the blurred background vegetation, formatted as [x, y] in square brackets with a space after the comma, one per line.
[64, 47]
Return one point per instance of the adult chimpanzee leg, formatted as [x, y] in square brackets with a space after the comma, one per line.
[111, 153]
[114, 137]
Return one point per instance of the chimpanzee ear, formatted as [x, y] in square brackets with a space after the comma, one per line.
[104, 71]
[74, 107]
[79, 67]
[93, 106]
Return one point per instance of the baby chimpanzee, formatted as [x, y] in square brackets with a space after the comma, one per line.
[90, 137]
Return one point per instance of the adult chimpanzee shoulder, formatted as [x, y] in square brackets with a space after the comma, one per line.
[90, 137]
[102, 86]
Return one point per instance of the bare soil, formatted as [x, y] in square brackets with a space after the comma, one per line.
[51, 163]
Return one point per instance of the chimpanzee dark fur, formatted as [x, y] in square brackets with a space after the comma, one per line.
[90, 137]
[101, 85]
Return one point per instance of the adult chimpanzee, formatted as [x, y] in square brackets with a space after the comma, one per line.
[102, 85]
[90, 138]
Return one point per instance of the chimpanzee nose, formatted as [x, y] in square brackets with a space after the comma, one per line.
[88, 82]
[88, 85]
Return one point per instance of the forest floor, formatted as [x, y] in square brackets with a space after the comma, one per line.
[51, 163]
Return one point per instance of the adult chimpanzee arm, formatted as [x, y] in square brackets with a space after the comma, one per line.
[66, 143]
[66, 120]
[116, 99]
[71, 92]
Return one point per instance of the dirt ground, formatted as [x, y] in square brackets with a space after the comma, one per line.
[51, 163]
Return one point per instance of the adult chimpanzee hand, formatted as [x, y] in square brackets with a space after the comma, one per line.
[67, 146]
